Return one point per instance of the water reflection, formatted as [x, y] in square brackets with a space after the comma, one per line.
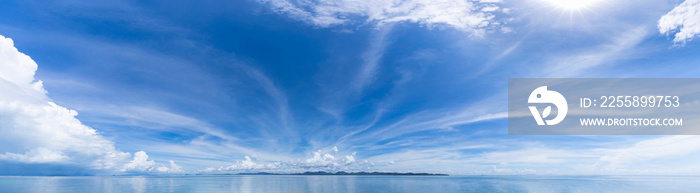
[47, 185]
[138, 184]
[350, 184]
[246, 184]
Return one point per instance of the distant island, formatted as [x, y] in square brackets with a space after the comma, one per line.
[342, 173]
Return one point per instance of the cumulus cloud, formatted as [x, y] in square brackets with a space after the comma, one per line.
[468, 16]
[319, 161]
[683, 20]
[35, 130]
[141, 164]
[328, 161]
[249, 165]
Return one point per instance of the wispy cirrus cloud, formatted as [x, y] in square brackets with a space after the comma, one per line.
[372, 58]
[503, 156]
[619, 48]
[439, 119]
[474, 17]
[682, 147]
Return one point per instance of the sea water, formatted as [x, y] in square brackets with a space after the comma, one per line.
[360, 184]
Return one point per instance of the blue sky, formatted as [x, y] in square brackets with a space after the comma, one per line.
[286, 86]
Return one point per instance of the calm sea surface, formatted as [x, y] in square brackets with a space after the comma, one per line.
[284, 183]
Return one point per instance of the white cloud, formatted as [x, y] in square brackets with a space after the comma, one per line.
[249, 165]
[207, 170]
[489, 9]
[683, 20]
[371, 59]
[38, 155]
[174, 168]
[328, 162]
[621, 47]
[153, 119]
[662, 155]
[141, 164]
[671, 147]
[35, 130]
[468, 16]
[349, 159]
[32, 124]
[626, 155]
[443, 119]
[319, 161]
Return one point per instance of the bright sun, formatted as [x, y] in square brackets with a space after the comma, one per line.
[572, 4]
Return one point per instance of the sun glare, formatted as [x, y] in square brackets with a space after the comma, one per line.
[571, 4]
